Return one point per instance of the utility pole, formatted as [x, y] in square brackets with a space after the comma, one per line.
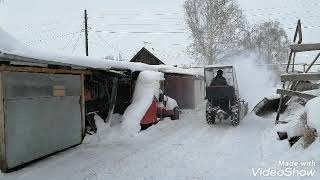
[86, 31]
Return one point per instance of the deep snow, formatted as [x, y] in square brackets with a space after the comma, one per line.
[146, 88]
[185, 149]
[313, 113]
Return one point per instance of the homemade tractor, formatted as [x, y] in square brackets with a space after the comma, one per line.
[222, 94]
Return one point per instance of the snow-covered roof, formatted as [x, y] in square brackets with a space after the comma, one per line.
[219, 66]
[175, 70]
[12, 50]
[87, 62]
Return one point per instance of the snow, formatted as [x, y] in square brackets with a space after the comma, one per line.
[219, 66]
[313, 113]
[294, 126]
[184, 149]
[171, 69]
[8, 43]
[171, 103]
[10, 46]
[255, 82]
[315, 92]
[146, 88]
[273, 97]
[198, 70]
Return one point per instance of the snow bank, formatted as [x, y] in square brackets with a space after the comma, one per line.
[171, 103]
[147, 87]
[313, 113]
[292, 115]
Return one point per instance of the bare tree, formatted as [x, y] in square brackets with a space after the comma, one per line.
[270, 41]
[217, 28]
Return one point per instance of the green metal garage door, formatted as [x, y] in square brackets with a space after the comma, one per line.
[42, 115]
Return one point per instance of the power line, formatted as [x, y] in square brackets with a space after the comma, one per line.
[68, 43]
[72, 38]
[53, 37]
[156, 15]
[76, 45]
[104, 43]
[282, 7]
[140, 32]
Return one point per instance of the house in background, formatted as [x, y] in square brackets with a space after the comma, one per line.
[145, 56]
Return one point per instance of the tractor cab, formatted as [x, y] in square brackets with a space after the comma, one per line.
[222, 94]
[216, 90]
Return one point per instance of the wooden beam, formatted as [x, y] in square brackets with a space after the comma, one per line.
[3, 159]
[82, 106]
[295, 93]
[304, 47]
[43, 70]
[300, 77]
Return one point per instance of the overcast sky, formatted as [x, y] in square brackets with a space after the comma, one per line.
[124, 26]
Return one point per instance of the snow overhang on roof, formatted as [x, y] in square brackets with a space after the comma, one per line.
[175, 70]
[218, 66]
[73, 61]
[11, 50]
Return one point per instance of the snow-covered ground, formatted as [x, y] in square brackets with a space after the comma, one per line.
[184, 149]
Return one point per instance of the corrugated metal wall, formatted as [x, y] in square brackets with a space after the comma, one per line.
[42, 114]
[181, 88]
[199, 91]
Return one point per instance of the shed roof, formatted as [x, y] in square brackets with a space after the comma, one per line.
[145, 56]
[11, 50]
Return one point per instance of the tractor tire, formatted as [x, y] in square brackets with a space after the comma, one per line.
[211, 117]
[235, 119]
[176, 114]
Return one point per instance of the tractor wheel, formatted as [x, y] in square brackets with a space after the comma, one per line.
[175, 115]
[235, 121]
[211, 117]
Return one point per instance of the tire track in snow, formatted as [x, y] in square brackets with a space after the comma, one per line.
[176, 145]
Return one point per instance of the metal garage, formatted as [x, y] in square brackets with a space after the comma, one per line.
[187, 90]
[41, 112]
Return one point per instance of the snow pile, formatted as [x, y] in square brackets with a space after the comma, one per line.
[313, 113]
[147, 87]
[295, 126]
[171, 103]
[315, 92]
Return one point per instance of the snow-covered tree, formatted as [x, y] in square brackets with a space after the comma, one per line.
[270, 41]
[217, 28]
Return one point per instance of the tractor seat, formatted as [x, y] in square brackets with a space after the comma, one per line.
[220, 92]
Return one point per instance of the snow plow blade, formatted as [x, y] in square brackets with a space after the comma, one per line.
[266, 105]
